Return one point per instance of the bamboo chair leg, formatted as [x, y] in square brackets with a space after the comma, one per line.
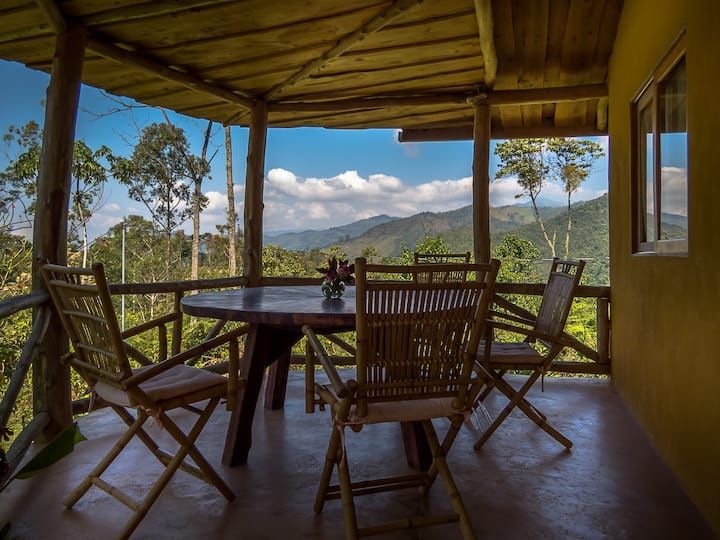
[443, 470]
[332, 458]
[452, 433]
[348, 504]
[541, 421]
[186, 443]
[309, 379]
[79, 491]
[143, 435]
[204, 470]
[515, 398]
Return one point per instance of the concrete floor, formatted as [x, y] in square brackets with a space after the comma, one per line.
[521, 485]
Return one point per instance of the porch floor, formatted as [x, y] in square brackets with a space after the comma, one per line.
[521, 485]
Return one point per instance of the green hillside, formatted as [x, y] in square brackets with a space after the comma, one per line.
[589, 235]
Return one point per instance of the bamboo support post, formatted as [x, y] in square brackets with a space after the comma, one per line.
[603, 330]
[255, 176]
[51, 379]
[481, 182]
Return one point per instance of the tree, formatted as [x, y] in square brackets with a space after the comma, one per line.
[536, 161]
[571, 162]
[19, 182]
[231, 215]
[198, 169]
[526, 159]
[156, 175]
[429, 244]
[22, 147]
[518, 257]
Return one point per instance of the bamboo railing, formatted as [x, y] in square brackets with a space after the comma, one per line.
[599, 356]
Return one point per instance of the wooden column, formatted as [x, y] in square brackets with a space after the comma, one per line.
[481, 182]
[51, 380]
[254, 180]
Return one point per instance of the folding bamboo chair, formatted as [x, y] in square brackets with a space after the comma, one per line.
[441, 259]
[101, 356]
[545, 330]
[402, 376]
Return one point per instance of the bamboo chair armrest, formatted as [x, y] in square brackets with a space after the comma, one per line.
[138, 355]
[344, 345]
[337, 383]
[185, 355]
[149, 325]
[503, 316]
[529, 333]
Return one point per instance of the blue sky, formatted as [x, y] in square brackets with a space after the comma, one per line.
[315, 178]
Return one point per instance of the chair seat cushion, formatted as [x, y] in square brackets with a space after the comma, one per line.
[404, 411]
[511, 354]
[176, 381]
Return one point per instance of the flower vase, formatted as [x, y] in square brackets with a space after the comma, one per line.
[332, 288]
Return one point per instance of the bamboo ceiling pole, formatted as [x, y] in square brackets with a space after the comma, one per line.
[484, 15]
[481, 182]
[254, 179]
[51, 379]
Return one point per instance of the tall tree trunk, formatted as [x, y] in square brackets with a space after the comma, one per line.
[550, 243]
[567, 229]
[231, 215]
[197, 198]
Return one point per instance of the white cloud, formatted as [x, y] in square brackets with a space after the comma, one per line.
[295, 203]
[674, 190]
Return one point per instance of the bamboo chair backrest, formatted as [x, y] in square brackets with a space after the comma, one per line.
[83, 302]
[558, 296]
[438, 275]
[416, 339]
[434, 258]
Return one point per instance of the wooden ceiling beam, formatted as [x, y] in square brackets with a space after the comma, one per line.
[465, 133]
[352, 39]
[498, 97]
[486, 24]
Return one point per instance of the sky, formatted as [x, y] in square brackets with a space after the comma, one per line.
[314, 178]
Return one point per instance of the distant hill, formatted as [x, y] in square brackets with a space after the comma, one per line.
[307, 240]
[455, 227]
[387, 235]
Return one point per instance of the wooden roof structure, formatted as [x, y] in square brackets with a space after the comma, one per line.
[417, 65]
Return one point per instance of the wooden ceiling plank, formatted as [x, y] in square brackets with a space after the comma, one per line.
[557, 23]
[147, 10]
[531, 35]
[394, 11]
[137, 60]
[506, 77]
[486, 25]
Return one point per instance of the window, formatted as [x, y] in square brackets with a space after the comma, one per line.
[660, 169]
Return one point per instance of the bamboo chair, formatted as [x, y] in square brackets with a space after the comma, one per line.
[545, 330]
[401, 376]
[100, 354]
[441, 259]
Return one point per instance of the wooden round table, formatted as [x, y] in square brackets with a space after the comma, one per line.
[276, 315]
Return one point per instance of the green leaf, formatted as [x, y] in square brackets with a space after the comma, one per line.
[54, 451]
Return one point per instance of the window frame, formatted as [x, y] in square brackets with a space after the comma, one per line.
[648, 98]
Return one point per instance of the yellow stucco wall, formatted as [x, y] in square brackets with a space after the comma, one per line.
[666, 310]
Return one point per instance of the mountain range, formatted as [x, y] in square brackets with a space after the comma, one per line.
[388, 235]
